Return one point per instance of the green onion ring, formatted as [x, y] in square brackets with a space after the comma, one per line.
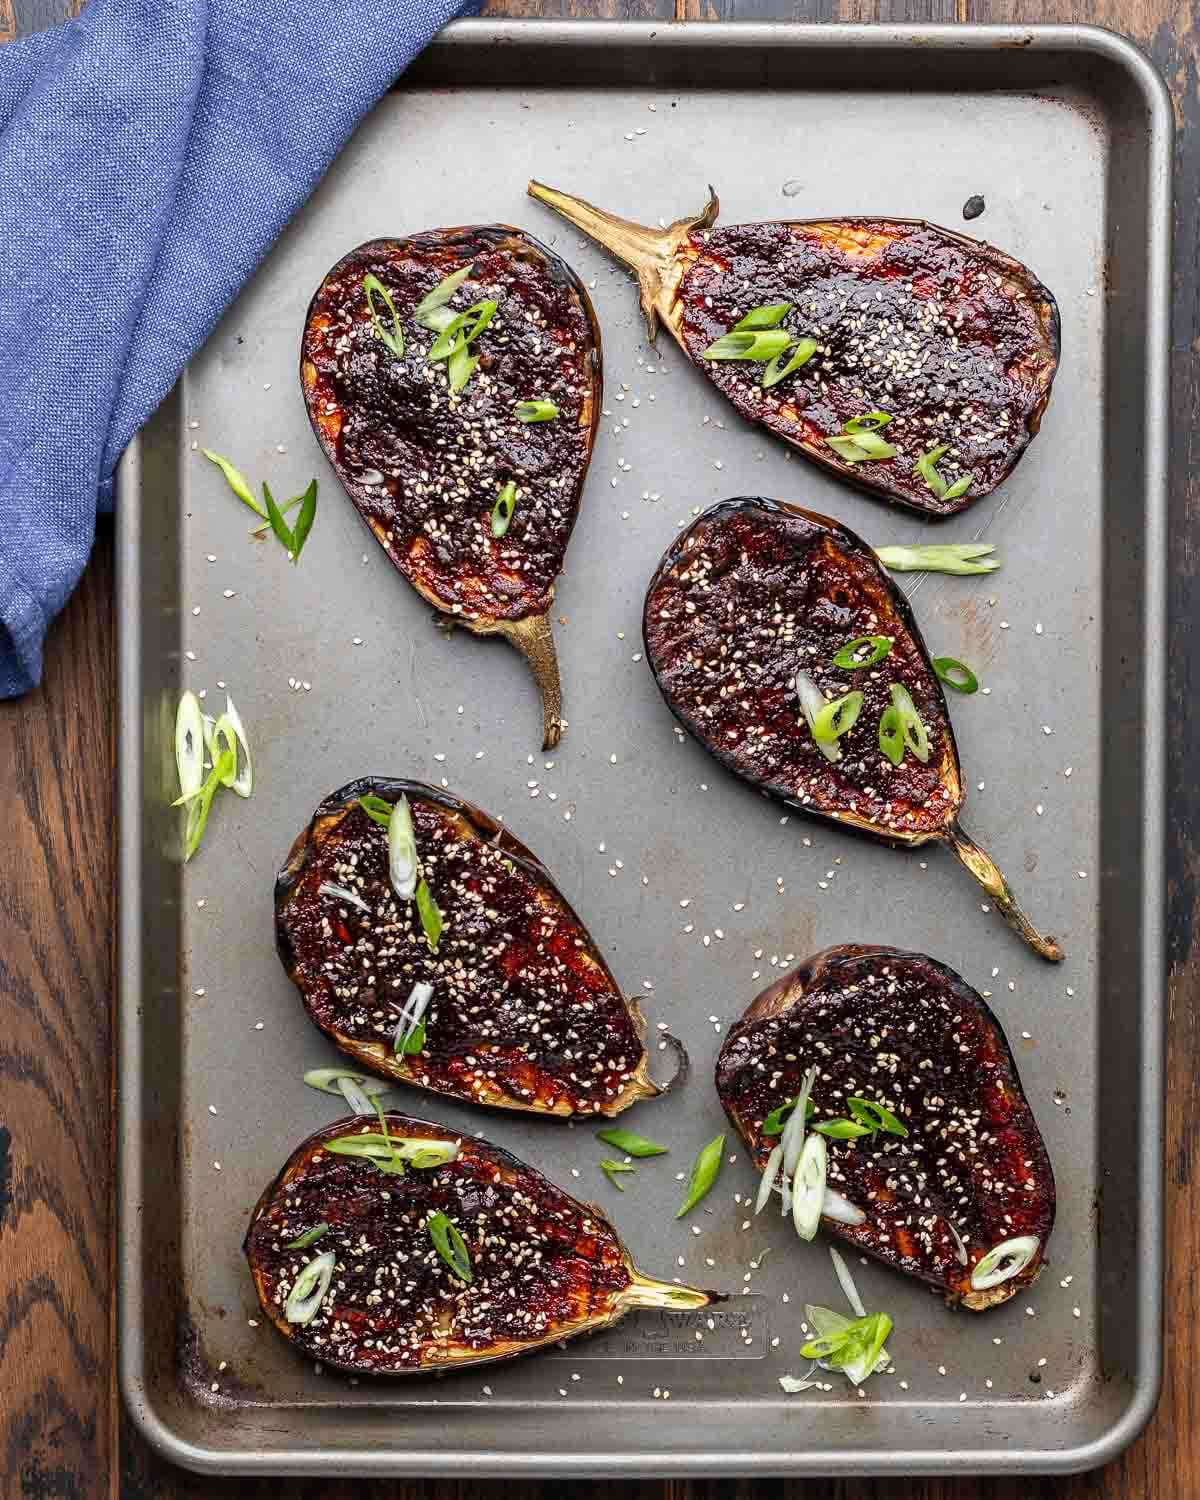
[955, 674]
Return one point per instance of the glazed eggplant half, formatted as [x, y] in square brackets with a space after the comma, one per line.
[397, 1247]
[780, 642]
[454, 380]
[432, 947]
[876, 1090]
[827, 331]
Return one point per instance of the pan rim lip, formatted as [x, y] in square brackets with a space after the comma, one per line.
[1145, 1376]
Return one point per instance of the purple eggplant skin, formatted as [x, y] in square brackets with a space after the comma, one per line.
[908, 1032]
[756, 591]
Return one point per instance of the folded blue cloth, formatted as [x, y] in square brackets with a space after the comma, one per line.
[150, 152]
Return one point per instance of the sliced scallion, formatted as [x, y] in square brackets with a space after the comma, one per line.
[705, 1171]
[870, 421]
[441, 294]
[749, 345]
[402, 850]
[916, 735]
[801, 352]
[843, 1130]
[190, 741]
[430, 914]
[891, 734]
[309, 1288]
[536, 411]
[355, 1096]
[955, 674]
[875, 1116]
[847, 449]
[874, 447]
[630, 1142]
[342, 893]
[812, 703]
[378, 809]
[450, 1245]
[808, 1186]
[613, 1169]
[412, 1018]
[837, 718]
[328, 1080]
[863, 651]
[940, 557]
[793, 1131]
[960, 487]
[230, 730]
[774, 1123]
[502, 511]
[770, 1176]
[464, 330]
[764, 317]
[383, 1147]
[393, 338]
[309, 1237]
[236, 481]
[1004, 1261]
[927, 468]
[200, 804]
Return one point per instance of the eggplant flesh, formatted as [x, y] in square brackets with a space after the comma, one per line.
[955, 340]
[756, 591]
[908, 1033]
[525, 1014]
[424, 465]
[544, 1266]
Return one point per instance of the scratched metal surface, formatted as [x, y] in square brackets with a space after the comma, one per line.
[1065, 138]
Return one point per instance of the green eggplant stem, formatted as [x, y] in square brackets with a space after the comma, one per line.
[984, 869]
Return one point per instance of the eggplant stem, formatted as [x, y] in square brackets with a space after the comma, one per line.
[683, 1064]
[534, 639]
[670, 1296]
[653, 254]
[985, 870]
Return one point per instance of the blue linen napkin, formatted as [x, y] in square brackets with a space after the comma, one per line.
[150, 153]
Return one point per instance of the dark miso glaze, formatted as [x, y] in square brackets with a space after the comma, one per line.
[909, 1034]
[748, 596]
[541, 1262]
[524, 1010]
[442, 458]
[908, 319]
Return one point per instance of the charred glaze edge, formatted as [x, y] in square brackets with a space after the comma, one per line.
[410, 1125]
[535, 645]
[856, 548]
[789, 990]
[392, 788]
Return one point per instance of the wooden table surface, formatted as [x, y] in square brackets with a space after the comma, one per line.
[62, 1432]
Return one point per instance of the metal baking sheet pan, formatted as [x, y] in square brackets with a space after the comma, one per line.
[338, 671]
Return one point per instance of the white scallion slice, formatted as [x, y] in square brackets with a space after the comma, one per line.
[808, 1186]
[354, 1095]
[328, 1080]
[1004, 1261]
[813, 702]
[794, 1384]
[413, 1013]
[308, 1290]
[792, 1139]
[769, 1177]
[959, 1248]
[340, 893]
[842, 1271]
[840, 1209]
[402, 851]
[190, 744]
[243, 782]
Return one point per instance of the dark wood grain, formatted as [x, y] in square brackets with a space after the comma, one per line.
[59, 1409]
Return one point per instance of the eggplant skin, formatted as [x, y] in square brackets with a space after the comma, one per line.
[756, 589]
[957, 341]
[908, 1032]
[546, 1267]
[397, 436]
[525, 1013]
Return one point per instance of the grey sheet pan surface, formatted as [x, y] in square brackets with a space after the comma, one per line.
[338, 671]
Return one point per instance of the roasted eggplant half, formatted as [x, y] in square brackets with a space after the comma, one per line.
[780, 642]
[934, 1163]
[824, 330]
[454, 380]
[396, 1247]
[432, 947]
